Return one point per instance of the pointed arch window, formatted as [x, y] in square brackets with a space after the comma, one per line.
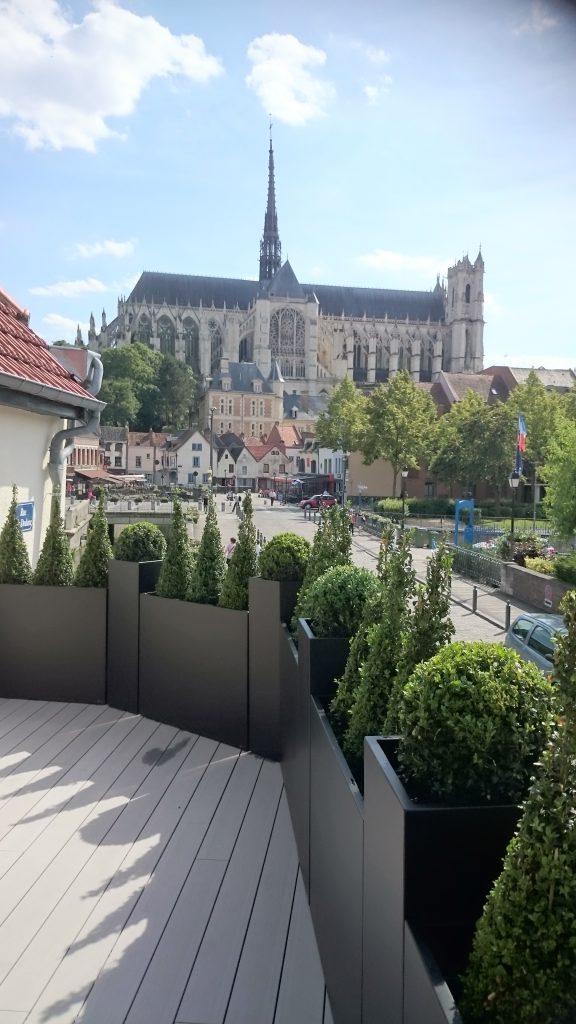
[191, 338]
[467, 293]
[246, 349]
[144, 329]
[215, 345]
[360, 361]
[167, 336]
[382, 361]
[288, 341]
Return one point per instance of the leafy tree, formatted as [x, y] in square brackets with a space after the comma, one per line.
[122, 405]
[176, 387]
[331, 546]
[400, 420]
[379, 671]
[178, 565]
[523, 961]
[243, 564]
[92, 569]
[475, 441]
[140, 542]
[14, 561]
[210, 566]
[55, 566]
[343, 424]
[559, 472]
[428, 627]
[541, 410]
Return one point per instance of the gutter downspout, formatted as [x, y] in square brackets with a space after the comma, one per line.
[90, 425]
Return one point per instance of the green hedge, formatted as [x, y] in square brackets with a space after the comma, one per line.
[565, 568]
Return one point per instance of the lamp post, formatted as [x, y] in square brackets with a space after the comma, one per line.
[514, 480]
[404, 477]
[274, 483]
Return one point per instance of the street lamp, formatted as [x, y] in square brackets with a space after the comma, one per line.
[404, 477]
[274, 483]
[514, 480]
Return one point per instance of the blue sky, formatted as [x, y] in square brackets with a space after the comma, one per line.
[133, 136]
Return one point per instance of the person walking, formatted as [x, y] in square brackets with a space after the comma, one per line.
[272, 496]
[205, 502]
[230, 549]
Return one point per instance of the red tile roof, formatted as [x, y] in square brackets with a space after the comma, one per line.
[26, 357]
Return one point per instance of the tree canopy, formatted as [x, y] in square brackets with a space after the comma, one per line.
[559, 472]
[400, 420]
[473, 442]
[147, 389]
[343, 425]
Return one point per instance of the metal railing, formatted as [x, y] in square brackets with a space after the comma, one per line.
[476, 565]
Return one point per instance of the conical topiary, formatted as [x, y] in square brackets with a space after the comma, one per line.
[14, 561]
[55, 566]
[209, 568]
[92, 570]
[243, 564]
[523, 962]
[178, 565]
[331, 546]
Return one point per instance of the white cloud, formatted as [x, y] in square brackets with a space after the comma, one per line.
[70, 289]
[374, 93]
[61, 325]
[385, 259]
[373, 54]
[539, 20]
[86, 250]
[61, 81]
[282, 79]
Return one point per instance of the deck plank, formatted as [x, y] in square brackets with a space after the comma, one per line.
[206, 996]
[301, 995]
[20, 757]
[26, 729]
[17, 712]
[85, 958]
[255, 989]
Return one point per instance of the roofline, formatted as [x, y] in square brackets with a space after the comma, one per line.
[57, 395]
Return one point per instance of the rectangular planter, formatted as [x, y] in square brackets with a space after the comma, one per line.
[53, 643]
[126, 581]
[431, 866]
[336, 868]
[271, 604]
[320, 662]
[194, 667]
[427, 997]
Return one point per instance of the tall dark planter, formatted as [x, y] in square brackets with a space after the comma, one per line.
[428, 865]
[427, 997]
[53, 643]
[194, 667]
[126, 581]
[320, 663]
[271, 604]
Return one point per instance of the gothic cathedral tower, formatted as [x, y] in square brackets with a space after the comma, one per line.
[464, 343]
[270, 247]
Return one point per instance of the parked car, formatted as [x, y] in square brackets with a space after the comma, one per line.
[319, 501]
[533, 636]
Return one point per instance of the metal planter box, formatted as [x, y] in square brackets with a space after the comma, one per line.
[428, 865]
[126, 581]
[271, 604]
[194, 667]
[53, 643]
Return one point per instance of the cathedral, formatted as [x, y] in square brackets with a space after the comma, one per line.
[315, 333]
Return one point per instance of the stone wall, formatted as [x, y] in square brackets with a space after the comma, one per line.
[533, 588]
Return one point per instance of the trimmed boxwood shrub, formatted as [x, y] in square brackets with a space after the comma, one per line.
[336, 601]
[210, 565]
[14, 562]
[92, 569]
[331, 546]
[523, 963]
[473, 721]
[243, 564]
[55, 566]
[178, 565]
[140, 542]
[284, 558]
[565, 568]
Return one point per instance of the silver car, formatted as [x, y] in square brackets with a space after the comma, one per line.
[533, 636]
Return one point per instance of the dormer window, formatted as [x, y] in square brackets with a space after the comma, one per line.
[225, 385]
[257, 385]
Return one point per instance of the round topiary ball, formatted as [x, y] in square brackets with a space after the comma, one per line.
[284, 558]
[473, 720]
[140, 542]
[335, 603]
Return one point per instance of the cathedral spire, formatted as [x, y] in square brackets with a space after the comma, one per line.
[270, 247]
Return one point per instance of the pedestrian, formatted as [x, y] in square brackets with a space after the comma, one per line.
[230, 549]
[272, 496]
[258, 548]
[205, 502]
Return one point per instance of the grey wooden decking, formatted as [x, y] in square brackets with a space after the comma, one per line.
[147, 876]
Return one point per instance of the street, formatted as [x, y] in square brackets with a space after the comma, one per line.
[290, 518]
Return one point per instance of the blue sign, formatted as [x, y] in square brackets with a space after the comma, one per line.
[25, 515]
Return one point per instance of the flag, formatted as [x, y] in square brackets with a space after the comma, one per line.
[520, 445]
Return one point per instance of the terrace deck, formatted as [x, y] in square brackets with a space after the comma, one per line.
[147, 876]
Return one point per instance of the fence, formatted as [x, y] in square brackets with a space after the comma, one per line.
[476, 566]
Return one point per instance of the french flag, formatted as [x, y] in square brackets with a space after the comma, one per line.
[520, 445]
